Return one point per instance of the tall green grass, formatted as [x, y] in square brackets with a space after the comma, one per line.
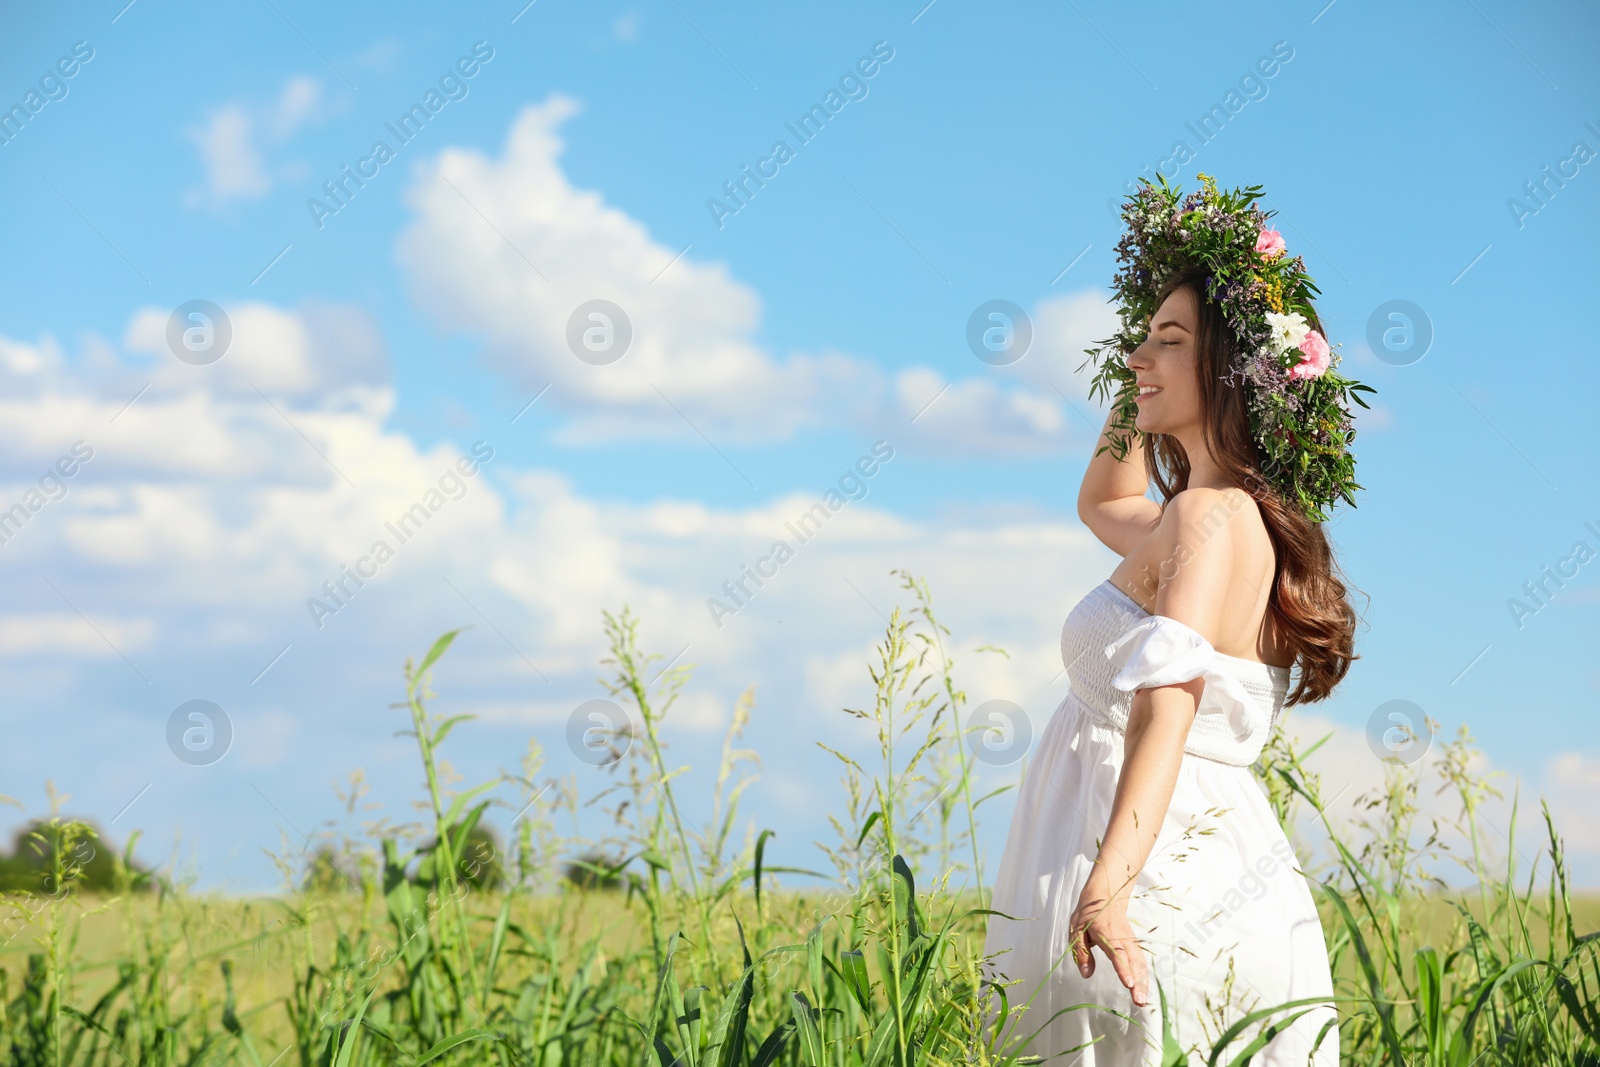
[672, 944]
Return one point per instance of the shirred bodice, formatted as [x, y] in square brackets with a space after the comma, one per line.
[1111, 646]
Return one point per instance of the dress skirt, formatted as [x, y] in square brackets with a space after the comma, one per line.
[1227, 921]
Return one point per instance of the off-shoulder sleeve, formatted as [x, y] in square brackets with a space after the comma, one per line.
[1160, 650]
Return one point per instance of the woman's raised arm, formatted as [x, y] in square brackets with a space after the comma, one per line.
[1111, 501]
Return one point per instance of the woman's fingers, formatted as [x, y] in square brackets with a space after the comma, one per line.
[1125, 954]
[1121, 959]
[1135, 977]
[1094, 924]
[1081, 956]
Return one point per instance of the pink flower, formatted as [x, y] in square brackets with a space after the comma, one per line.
[1269, 243]
[1315, 347]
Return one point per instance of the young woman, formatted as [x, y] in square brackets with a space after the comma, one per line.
[1142, 850]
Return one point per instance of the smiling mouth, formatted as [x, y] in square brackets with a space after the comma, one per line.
[1146, 391]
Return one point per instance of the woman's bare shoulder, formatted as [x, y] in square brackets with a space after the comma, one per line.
[1221, 524]
[1216, 531]
[1218, 543]
[1202, 512]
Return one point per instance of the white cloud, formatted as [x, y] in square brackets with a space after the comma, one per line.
[204, 522]
[977, 415]
[1063, 326]
[1572, 781]
[316, 348]
[218, 500]
[295, 105]
[232, 162]
[71, 634]
[264, 739]
[233, 141]
[507, 249]
[381, 55]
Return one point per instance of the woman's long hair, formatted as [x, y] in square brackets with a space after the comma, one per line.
[1309, 603]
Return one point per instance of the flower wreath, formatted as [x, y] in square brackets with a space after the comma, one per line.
[1298, 403]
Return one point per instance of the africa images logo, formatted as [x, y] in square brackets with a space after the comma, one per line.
[453, 85]
[852, 485]
[341, 590]
[852, 85]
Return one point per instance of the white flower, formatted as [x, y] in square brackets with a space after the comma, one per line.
[1287, 330]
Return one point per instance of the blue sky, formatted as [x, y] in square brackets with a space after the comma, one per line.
[980, 160]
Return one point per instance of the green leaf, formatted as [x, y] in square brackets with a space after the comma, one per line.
[496, 942]
[689, 1024]
[1430, 993]
[456, 1040]
[461, 829]
[772, 1047]
[351, 1032]
[1385, 1008]
[666, 985]
[865, 829]
[434, 653]
[1172, 1054]
[805, 1021]
[453, 814]
[761, 847]
[853, 969]
[909, 908]
[735, 1016]
[446, 726]
[1260, 1041]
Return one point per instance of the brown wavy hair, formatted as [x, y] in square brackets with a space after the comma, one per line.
[1310, 603]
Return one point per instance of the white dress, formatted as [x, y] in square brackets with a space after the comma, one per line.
[1220, 894]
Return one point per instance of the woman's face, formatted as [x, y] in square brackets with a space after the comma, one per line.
[1164, 367]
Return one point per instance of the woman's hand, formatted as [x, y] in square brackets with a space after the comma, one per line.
[1101, 919]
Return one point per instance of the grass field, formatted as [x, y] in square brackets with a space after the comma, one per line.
[672, 944]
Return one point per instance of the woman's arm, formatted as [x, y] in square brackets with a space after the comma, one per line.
[1111, 500]
[1158, 726]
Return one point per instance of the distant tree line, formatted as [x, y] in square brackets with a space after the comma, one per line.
[47, 855]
